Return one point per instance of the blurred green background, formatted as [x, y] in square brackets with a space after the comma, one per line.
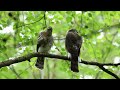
[18, 36]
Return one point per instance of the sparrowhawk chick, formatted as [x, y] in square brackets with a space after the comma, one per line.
[44, 44]
[73, 43]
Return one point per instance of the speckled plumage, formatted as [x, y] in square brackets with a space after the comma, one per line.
[44, 44]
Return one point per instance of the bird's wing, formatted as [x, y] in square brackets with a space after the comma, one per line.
[71, 42]
[41, 40]
[79, 41]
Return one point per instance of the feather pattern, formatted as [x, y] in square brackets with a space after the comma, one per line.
[73, 44]
[44, 44]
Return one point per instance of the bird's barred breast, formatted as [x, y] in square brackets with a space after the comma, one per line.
[45, 48]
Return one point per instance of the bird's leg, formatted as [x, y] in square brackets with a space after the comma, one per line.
[79, 59]
[69, 55]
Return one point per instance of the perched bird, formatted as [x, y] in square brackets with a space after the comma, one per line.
[73, 43]
[44, 44]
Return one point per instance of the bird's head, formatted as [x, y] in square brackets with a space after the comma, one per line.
[49, 31]
[73, 30]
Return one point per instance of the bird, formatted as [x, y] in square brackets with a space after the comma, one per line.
[73, 43]
[44, 44]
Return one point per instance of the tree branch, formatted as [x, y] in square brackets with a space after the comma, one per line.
[109, 72]
[37, 54]
[99, 64]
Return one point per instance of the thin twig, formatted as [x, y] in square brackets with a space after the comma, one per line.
[57, 48]
[45, 19]
[14, 71]
[59, 38]
[31, 23]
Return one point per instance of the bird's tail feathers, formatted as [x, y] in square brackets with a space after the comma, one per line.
[40, 62]
[74, 63]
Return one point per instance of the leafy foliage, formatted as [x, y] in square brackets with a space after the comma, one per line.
[18, 36]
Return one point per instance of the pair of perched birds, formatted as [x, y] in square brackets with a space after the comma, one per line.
[73, 43]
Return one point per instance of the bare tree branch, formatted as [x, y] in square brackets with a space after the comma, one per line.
[99, 64]
[28, 57]
[109, 72]
[37, 54]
